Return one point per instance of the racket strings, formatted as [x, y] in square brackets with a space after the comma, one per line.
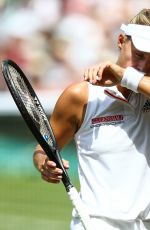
[31, 103]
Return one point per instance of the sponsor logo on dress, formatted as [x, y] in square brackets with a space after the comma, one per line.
[146, 107]
[107, 120]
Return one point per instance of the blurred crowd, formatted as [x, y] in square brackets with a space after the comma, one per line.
[53, 41]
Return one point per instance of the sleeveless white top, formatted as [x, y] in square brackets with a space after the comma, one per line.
[113, 147]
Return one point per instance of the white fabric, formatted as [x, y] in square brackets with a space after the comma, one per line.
[113, 153]
[132, 78]
[110, 224]
[82, 212]
[140, 35]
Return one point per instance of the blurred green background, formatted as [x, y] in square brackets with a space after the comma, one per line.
[27, 202]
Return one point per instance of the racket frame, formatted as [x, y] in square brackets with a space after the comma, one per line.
[51, 151]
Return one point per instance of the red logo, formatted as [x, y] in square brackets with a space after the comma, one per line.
[115, 119]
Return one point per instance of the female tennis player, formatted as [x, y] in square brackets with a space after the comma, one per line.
[108, 115]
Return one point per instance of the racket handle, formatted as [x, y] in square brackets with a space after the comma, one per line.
[54, 155]
[65, 177]
[81, 210]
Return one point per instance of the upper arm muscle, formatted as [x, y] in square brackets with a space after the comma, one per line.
[69, 113]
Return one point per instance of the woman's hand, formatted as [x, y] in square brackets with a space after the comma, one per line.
[105, 74]
[50, 173]
[47, 168]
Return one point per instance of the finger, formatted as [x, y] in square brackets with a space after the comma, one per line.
[51, 170]
[48, 165]
[95, 76]
[100, 72]
[51, 175]
[85, 76]
[65, 163]
[51, 164]
[51, 180]
[91, 76]
[88, 75]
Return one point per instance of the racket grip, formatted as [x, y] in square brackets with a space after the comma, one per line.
[81, 210]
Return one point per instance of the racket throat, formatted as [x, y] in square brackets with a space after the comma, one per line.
[67, 183]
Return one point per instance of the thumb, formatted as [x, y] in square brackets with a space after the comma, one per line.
[65, 163]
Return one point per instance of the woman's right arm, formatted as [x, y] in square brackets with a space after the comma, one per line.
[65, 120]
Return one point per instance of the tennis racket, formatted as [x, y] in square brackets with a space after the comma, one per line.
[36, 119]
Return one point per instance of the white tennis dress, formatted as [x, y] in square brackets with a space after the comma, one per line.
[113, 147]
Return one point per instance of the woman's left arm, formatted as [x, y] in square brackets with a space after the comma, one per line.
[144, 86]
[109, 74]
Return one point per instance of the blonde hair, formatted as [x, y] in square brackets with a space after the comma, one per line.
[142, 18]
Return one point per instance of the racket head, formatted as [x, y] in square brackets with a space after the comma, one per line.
[28, 103]
[33, 113]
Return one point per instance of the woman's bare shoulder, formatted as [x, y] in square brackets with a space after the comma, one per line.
[76, 93]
